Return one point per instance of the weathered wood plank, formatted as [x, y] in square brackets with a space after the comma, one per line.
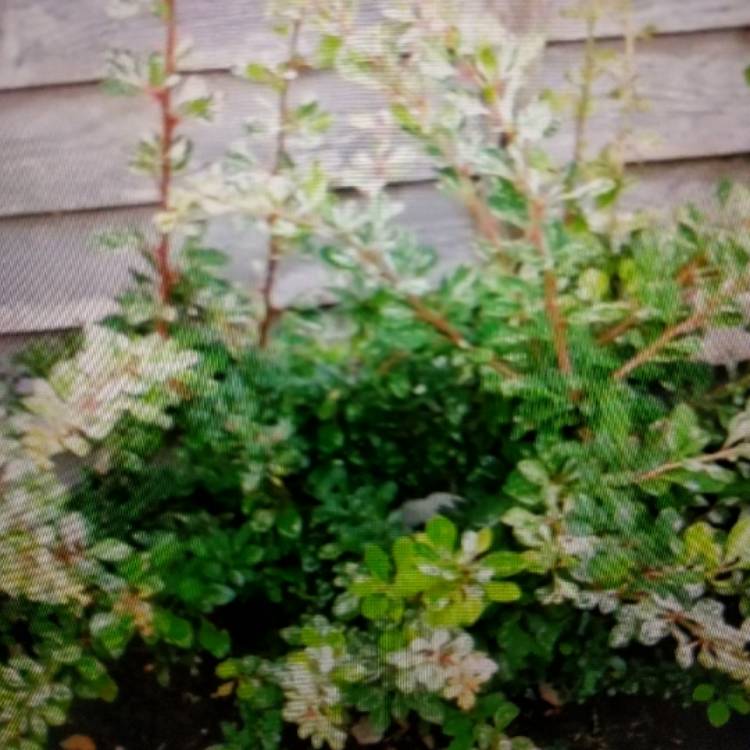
[52, 276]
[52, 279]
[557, 21]
[659, 16]
[48, 41]
[660, 188]
[695, 94]
[67, 148]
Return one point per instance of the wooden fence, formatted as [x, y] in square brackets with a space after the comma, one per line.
[64, 144]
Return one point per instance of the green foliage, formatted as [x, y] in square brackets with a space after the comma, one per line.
[453, 585]
[441, 494]
[721, 701]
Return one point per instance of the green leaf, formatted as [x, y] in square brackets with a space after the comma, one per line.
[330, 437]
[366, 587]
[718, 713]
[510, 204]
[103, 688]
[227, 670]
[505, 714]
[738, 541]
[497, 591]
[593, 284]
[161, 9]
[504, 564]
[430, 708]
[406, 119]
[156, 71]
[289, 523]
[116, 87]
[487, 59]
[111, 631]
[110, 550]
[457, 723]
[724, 189]
[375, 607]
[747, 75]
[610, 569]
[462, 741]
[54, 715]
[458, 614]
[215, 641]
[739, 703]
[391, 640]
[123, 239]
[700, 545]
[201, 108]
[442, 533]
[328, 49]
[378, 562]
[403, 551]
[703, 692]
[90, 668]
[173, 629]
[259, 73]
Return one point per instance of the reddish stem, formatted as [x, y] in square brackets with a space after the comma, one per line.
[270, 312]
[690, 325]
[555, 316]
[169, 122]
[612, 334]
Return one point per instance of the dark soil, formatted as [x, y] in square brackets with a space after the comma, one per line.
[148, 716]
[185, 716]
[633, 723]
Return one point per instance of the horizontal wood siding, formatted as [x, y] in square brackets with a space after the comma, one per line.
[67, 148]
[54, 277]
[64, 41]
[64, 144]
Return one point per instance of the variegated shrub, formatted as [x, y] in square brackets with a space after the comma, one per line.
[566, 399]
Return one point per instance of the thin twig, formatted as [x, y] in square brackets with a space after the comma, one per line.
[609, 335]
[588, 75]
[421, 310]
[551, 303]
[630, 103]
[281, 156]
[388, 364]
[707, 458]
[486, 224]
[691, 324]
[169, 121]
[440, 324]
[686, 278]
[446, 329]
[629, 94]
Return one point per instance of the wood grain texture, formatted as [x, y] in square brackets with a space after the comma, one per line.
[53, 279]
[64, 41]
[67, 148]
[658, 16]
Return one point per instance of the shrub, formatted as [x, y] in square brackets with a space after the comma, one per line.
[444, 493]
